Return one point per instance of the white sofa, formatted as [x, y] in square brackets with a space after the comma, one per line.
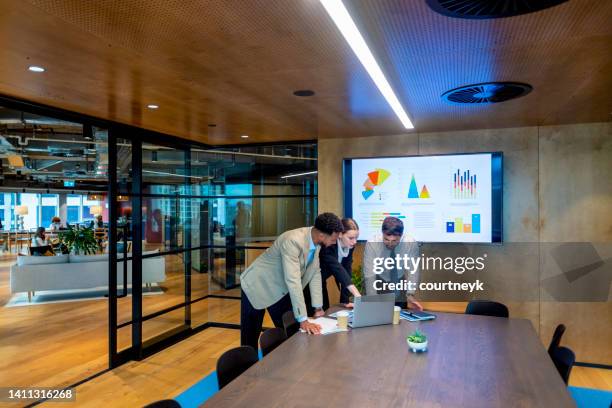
[63, 272]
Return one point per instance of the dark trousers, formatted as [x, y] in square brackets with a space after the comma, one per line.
[251, 319]
[344, 297]
[309, 308]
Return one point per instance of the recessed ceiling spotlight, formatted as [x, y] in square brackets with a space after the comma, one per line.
[152, 106]
[303, 92]
[36, 68]
[245, 136]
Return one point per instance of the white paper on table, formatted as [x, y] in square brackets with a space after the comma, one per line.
[328, 325]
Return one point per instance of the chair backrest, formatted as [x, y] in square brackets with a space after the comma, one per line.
[290, 324]
[487, 308]
[271, 339]
[234, 362]
[556, 339]
[167, 403]
[564, 359]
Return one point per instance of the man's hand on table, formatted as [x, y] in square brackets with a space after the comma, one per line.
[310, 328]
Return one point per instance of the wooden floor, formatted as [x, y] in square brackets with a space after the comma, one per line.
[163, 375]
[58, 344]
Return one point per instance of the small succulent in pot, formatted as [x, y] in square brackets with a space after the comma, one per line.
[417, 341]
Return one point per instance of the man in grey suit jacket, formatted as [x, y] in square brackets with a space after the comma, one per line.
[391, 244]
[277, 278]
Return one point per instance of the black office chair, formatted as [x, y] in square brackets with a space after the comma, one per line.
[271, 339]
[564, 359]
[487, 308]
[234, 362]
[290, 324]
[556, 339]
[167, 403]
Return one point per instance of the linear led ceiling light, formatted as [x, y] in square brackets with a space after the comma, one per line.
[299, 174]
[346, 25]
[163, 173]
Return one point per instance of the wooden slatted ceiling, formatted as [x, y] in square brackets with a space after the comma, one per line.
[236, 64]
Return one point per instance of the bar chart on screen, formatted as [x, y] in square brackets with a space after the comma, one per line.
[461, 225]
[464, 185]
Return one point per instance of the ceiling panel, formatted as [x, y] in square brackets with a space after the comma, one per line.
[564, 52]
[235, 63]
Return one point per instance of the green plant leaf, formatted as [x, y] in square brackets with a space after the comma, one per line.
[80, 240]
[417, 337]
[357, 279]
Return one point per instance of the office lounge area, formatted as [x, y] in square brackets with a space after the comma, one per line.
[192, 147]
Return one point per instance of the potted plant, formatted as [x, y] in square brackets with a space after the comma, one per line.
[357, 279]
[80, 241]
[417, 341]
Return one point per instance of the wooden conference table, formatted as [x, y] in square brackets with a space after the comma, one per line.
[473, 361]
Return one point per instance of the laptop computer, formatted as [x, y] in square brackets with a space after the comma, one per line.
[372, 310]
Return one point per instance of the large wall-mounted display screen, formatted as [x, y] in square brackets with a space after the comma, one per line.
[445, 198]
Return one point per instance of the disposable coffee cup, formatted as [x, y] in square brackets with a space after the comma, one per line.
[396, 314]
[342, 317]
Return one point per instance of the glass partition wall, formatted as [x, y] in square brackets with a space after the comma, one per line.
[175, 225]
[194, 218]
[53, 309]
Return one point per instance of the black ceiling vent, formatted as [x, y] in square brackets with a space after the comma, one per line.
[488, 92]
[477, 9]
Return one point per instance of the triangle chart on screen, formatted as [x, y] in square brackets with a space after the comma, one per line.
[413, 192]
[424, 192]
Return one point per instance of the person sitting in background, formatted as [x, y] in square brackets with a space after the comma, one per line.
[56, 224]
[39, 238]
[337, 261]
[99, 231]
[391, 244]
[99, 223]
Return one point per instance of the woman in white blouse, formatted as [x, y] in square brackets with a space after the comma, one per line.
[40, 239]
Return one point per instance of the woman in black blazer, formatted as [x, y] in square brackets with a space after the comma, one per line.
[337, 261]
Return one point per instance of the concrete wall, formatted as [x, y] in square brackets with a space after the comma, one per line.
[557, 189]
